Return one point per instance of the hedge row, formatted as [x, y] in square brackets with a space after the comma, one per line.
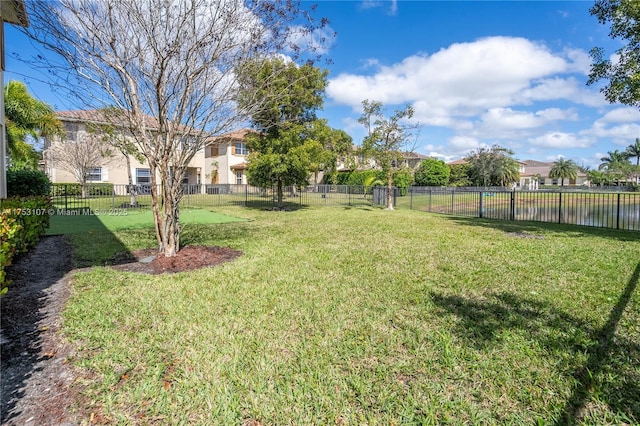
[75, 189]
[22, 222]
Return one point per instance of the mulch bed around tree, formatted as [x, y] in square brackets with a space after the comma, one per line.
[187, 259]
[38, 384]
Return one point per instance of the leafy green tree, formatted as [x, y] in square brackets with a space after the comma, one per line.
[432, 172]
[493, 166]
[459, 175]
[563, 169]
[288, 145]
[386, 139]
[26, 117]
[623, 83]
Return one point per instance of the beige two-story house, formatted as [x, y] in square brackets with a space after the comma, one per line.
[223, 159]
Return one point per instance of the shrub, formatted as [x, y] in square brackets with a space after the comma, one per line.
[22, 222]
[75, 189]
[432, 172]
[27, 183]
[402, 179]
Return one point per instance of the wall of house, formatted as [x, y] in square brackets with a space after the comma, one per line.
[222, 158]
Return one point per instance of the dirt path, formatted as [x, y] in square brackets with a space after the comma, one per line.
[36, 378]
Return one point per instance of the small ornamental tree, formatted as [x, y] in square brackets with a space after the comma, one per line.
[387, 138]
[432, 172]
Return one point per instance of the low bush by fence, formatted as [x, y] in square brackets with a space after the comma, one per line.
[617, 210]
[22, 222]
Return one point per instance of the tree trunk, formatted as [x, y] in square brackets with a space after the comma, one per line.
[167, 221]
[389, 189]
[83, 190]
[280, 195]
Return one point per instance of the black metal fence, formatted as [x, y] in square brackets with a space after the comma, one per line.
[105, 197]
[617, 210]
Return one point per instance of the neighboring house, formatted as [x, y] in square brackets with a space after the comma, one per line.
[225, 158]
[221, 161]
[535, 173]
[13, 12]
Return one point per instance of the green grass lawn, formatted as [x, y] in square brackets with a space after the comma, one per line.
[363, 316]
[119, 219]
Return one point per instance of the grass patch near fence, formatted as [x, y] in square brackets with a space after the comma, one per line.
[119, 219]
[363, 316]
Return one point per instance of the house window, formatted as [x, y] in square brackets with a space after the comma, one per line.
[94, 174]
[71, 130]
[213, 151]
[143, 176]
[554, 181]
[541, 181]
[239, 178]
[241, 149]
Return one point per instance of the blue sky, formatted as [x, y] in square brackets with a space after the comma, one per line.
[477, 73]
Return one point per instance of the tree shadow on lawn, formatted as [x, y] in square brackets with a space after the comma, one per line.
[610, 372]
[94, 244]
[518, 227]
[270, 205]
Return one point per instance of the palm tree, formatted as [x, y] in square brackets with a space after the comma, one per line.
[612, 159]
[633, 150]
[563, 169]
[26, 117]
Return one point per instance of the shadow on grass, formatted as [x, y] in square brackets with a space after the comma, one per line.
[610, 372]
[576, 231]
[270, 205]
[94, 244]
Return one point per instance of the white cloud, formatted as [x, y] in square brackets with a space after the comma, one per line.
[466, 79]
[370, 4]
[621, 115]
[464, 143]
[621, 125]
[560, 140]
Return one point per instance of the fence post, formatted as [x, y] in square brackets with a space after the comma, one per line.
[66, 206]
[452, 200]
[113, 196]
[480, 208]
[410, 199]
[560, 208]
[618, 213]
[246, 195]
[430, 195]
[512, 214]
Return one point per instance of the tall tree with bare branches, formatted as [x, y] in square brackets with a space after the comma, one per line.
[170, 66]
